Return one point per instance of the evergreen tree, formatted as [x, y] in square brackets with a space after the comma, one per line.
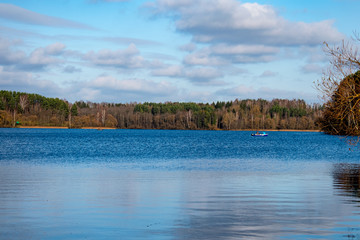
[74, 110]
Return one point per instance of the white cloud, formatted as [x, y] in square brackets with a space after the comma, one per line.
[96, 1]
[89, 94]
[240, 90]
[128, 90]
[197, 75]
[224, 55]
[122, 58]
[18, 14]
[137, 41]
[28, 82]
[313, 54]
[8, 55]
[71, 69]
[224, 49]
[244, 92]
[202, 74]
[312, 68]
[169, 71]
[240, 33]
[55, 49]
[233, 22]
[113, 89]
[102, 88]
[190, 47]
[43, 57]
[139, 86]
[205, 58]
[197, 96]
[268, 73]
[38, 59]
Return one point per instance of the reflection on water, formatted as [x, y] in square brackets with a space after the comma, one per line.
[81, 202]
[347, 178]
[65, 184]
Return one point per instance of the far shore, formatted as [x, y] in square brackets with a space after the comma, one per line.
[279, 130]
[108, 128]
[54, 127]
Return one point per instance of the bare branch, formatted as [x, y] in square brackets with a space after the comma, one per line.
[340, 90]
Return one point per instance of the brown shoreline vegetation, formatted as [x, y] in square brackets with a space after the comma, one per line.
[19, 109]
[107, 128]
[56, 127]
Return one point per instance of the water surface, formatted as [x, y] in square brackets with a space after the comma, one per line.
[149, 184]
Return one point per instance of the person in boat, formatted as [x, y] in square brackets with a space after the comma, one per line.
[259, 134]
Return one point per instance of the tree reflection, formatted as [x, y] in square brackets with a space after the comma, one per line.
[347, 177]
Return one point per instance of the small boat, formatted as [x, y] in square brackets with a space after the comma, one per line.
[259, 134]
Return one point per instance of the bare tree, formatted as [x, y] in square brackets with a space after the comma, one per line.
[188, 118]
[103, 116]
[340, 89]
[344, 60]
[23, 101]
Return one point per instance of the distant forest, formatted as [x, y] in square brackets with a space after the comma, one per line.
[27, 109]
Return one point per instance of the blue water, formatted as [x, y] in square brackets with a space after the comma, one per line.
[150, 184]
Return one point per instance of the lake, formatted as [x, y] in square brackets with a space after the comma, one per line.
[160, 184]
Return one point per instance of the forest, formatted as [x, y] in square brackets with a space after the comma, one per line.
[29, 109]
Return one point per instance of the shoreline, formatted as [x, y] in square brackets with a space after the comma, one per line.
[278, 130]
[54, 127]
[108, 128]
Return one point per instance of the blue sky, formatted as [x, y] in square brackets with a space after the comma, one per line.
[170, 50]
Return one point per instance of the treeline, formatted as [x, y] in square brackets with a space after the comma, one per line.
[17, 108]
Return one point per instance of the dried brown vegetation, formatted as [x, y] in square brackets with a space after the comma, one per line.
[340, 89]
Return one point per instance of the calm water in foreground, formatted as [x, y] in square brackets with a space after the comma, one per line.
[145, 184]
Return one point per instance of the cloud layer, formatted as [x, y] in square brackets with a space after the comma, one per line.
[233, 22]
[222, 49]
[37, 59]
[18, 14]
[231, 32]
[122, 58]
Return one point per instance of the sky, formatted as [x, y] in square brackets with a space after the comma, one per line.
[124, 51]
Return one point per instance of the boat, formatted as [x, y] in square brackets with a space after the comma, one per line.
[259, 134]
